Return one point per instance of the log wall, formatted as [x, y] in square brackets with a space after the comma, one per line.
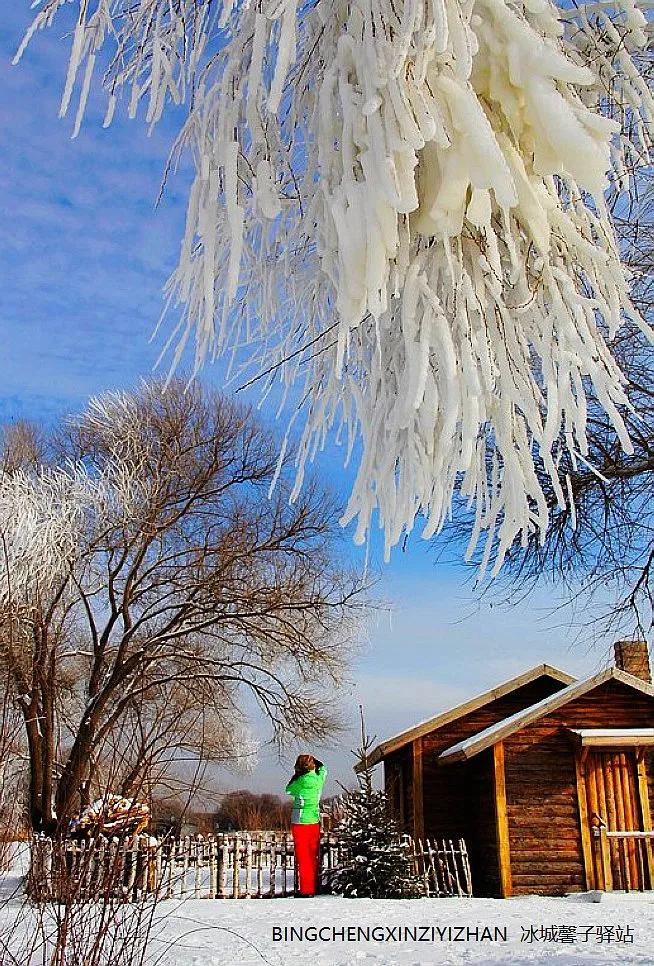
[544, 824]
[458, 799]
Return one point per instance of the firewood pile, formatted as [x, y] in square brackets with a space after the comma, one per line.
[110, 816]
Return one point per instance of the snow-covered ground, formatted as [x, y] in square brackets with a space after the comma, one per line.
[251, 932]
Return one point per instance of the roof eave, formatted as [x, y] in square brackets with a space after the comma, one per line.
[458, 711]
[496, 733]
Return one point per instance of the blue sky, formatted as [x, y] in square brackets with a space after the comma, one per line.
[83, 258]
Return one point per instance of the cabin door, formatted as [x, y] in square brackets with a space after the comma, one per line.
[614, 782]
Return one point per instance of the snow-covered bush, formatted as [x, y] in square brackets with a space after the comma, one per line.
[375, 858]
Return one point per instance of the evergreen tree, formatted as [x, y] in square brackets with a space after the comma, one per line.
[376, 859]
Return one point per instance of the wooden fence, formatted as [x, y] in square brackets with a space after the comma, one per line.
[624, 860]
[232, 865]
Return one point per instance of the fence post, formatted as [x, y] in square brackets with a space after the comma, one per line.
[213, 868]
[273, 865]
[223, 859]
[248, 864]
[259, 866]
[199, 865]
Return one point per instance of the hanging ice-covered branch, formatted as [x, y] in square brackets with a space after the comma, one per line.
[400, 207]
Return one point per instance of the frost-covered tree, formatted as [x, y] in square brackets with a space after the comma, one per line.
[150, 592]
[376, 860]
[400, 206]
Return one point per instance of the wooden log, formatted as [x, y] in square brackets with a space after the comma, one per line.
[501, 820]
[620, 816]
[643, 797]
[553, 868]
[624, 856]
[630, 798]
[537, 855]
[548, 878]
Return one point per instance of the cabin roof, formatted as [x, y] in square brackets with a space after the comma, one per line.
[508, 726]
[445, 717]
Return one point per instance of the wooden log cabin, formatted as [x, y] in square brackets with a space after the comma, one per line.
[550, 780]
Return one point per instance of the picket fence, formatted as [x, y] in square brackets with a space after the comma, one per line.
[231, 865]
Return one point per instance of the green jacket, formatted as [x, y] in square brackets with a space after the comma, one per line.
[306, 790]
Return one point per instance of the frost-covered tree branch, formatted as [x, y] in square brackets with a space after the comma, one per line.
[401, 207]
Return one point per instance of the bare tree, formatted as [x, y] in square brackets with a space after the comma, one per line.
[243, 809]
[169, 579]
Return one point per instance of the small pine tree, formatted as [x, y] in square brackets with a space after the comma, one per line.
[376, 860]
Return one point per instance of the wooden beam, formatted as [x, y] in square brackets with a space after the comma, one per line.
[643, 795]
[501, 821]
[586, 839]
[418, 800]
[614, 737]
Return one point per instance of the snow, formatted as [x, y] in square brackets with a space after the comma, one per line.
[614, 732]
[399, 209]
[218, 933]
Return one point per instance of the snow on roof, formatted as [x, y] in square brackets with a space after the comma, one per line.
[445, 717]
[490, 736]
[614, 732]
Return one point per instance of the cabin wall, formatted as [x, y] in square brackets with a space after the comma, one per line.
[458, 801]
[398, 785]
[446, 792]
[543, 813]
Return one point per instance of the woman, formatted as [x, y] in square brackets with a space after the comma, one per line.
[306, 786]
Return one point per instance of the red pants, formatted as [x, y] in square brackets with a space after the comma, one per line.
[306, 840]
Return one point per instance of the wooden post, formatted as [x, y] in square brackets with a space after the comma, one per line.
[170, 869]
[466, 866]
[223, 861]
[424, 871]
[501, 821]
[273, 864]
[236, 872]
[131, 877]
[199, 866]
[643, 796]
[586, 840]
[213, 868]
[248, 866]
[418, 799]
